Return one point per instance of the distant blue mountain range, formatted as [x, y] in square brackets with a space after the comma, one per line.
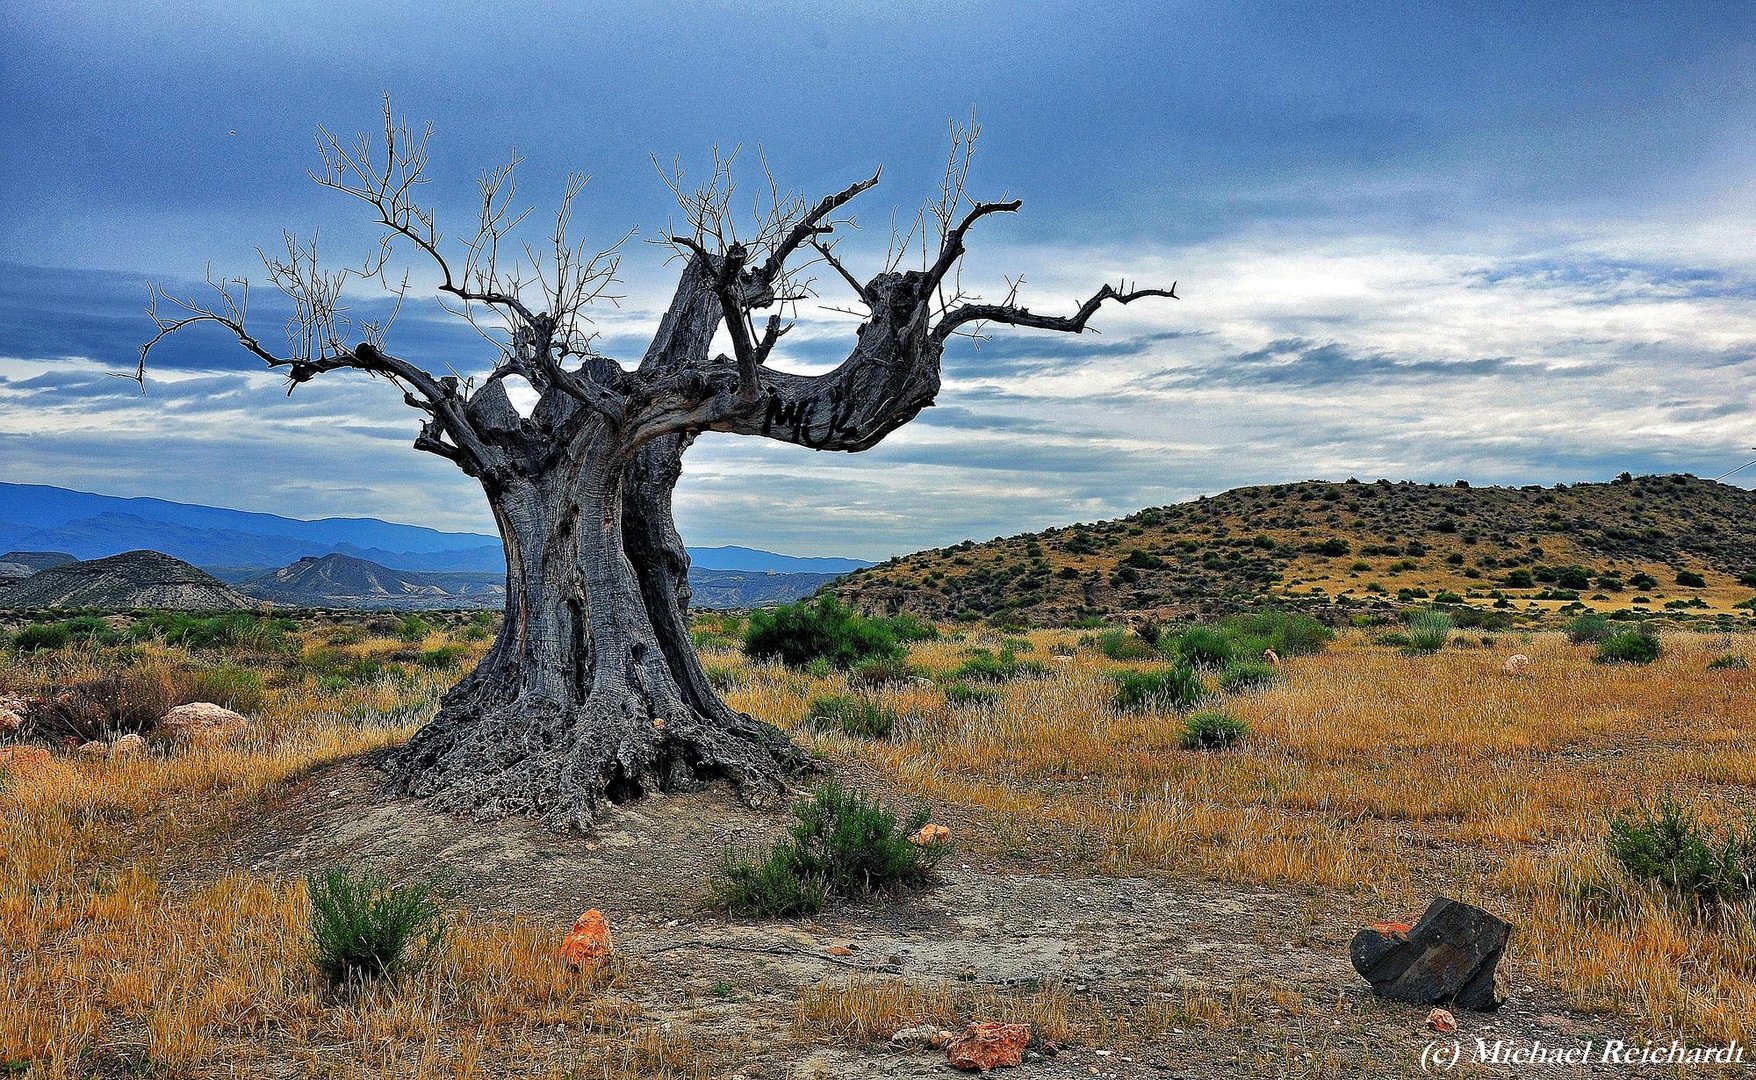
[36, 517]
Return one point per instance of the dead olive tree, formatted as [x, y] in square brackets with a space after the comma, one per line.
[592, 690]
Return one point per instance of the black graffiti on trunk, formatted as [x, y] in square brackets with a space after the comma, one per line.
[795, 420]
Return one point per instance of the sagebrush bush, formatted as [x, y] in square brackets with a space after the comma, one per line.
[1213, 731]
[1667, 844]
[1589, 629]
[796, 634]
[1244, 675]
[363, 927]
[861, 717]
[1174, 687]
[843, 846]
[1639, 645]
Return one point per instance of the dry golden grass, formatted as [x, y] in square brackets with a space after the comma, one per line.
[1387, 776]
[1369, 774]
[109, 961]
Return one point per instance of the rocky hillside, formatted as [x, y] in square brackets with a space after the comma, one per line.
[1667, 543]
[342, 581]
[133, 579]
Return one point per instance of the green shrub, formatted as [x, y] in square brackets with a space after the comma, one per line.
[1638, 645]
[964, 694]
[1174, 687]
[860, 717]
[907, 628]
[239, 629]
[1732, 662]
[1245, 675]
[1589, 629]
[1668, 845]
[1205, 647]
[1122, 645]
[1287, 634]
[1428, 631]
[42, 636]
[412, 628]
[842, 846]
[443, 656]
[828, 630]
[1690, 579]
[363, 927]
[1213, 731]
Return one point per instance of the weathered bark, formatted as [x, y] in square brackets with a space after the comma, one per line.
[591, 692]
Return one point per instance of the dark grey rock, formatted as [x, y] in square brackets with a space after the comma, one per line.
[1447, 958]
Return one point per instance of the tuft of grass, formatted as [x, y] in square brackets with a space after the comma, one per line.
[1428, 631]
[958, 693]
[364, 928]
[1242, 676]
[1205, 647]
[1213, 731]
[1730, 662]
[881, 671]
[1122, 645]
[1589, 629]
[843, 845]
[1639, 645]
[1174, 687]
[984, 665]
[859, 716]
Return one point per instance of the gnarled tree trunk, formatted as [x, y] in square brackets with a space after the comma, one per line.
[591, 692]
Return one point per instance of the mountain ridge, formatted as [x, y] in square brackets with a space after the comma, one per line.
[40, 517]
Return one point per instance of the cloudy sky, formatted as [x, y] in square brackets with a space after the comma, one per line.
[1429, 241]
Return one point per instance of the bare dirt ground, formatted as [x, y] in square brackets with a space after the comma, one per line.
[1203, 979]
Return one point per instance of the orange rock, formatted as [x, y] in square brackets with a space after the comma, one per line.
[986, 1045]
[839, 950]
[1441, 1021]
[1389, 927]
[928, 835]
[588, 945]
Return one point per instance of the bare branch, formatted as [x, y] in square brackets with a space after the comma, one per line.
[1018, 316]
